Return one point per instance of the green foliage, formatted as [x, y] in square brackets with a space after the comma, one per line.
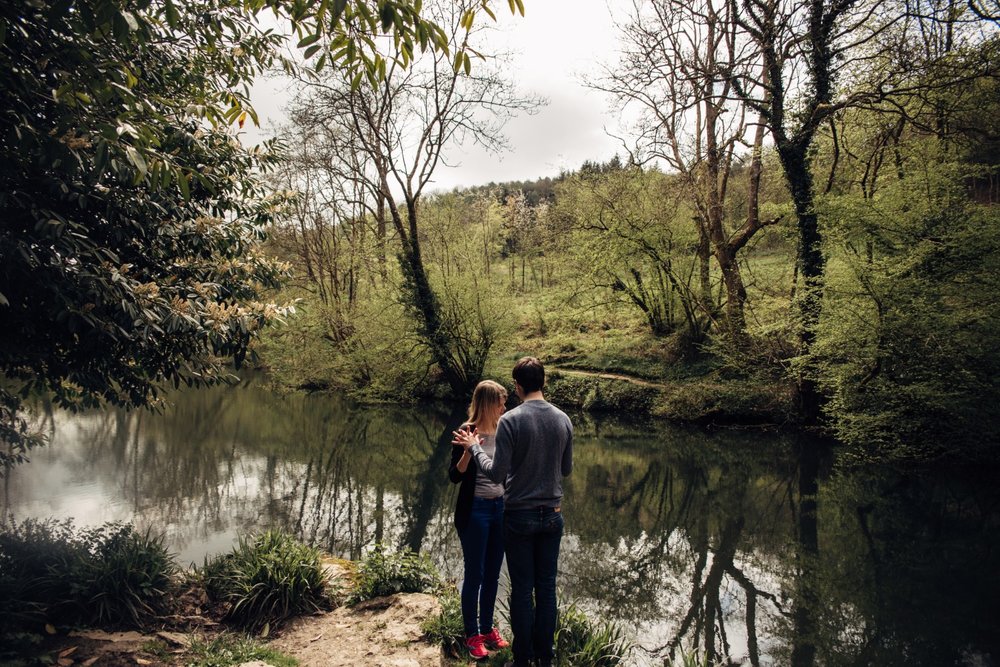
[447, 628]
[634, 237]
[582, 642]
[15, 432]
[132, 216]
[230, 650]
[266, 579]
[600, 394]
[710, 400]
[385, 572]
[107, 575]
[908, 350]
[129, 239]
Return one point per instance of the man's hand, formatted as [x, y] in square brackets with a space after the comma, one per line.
[466, 438]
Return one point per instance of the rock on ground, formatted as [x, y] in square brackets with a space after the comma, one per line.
[384, 632]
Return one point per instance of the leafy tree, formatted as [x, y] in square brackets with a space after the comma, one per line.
[632, 234]
[129, 232]
[907, 351]
[676, 68]
[391, 139]
[131, 216]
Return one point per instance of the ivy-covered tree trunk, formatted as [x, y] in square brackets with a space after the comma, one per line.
[811, 265]
[419, 298]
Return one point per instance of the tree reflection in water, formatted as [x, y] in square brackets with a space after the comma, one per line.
[742, 548]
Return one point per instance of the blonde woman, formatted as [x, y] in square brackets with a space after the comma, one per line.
[479, 521]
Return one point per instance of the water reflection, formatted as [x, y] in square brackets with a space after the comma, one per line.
[743, 548]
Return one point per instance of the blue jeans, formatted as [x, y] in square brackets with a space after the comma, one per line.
[482, 551]
[531, 539]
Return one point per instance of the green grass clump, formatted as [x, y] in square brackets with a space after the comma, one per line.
[110, 575]
[386, 573]
[447, 628]
[266, 579]
[581, 642]
[227, 650]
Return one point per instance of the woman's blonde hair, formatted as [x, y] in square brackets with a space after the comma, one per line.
[487, 404]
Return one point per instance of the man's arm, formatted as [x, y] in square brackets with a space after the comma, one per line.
[567, 457]
[496, 470]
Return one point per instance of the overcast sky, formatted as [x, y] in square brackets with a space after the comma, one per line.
[556, 46]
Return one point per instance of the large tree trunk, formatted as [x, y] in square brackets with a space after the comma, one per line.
[736, 295]
[423, 303]
[811, 265]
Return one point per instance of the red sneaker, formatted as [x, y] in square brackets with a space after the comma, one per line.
[494, 640]
[477, 646]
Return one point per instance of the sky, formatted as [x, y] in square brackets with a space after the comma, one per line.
[557, 46]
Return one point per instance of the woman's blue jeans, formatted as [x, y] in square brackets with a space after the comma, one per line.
[531, 538]
[482, 550]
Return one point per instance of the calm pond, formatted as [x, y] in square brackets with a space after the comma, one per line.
[754, 548]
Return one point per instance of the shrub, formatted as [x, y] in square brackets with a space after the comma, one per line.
[266, 579]
[727, 402]
[385, 573]
[600, 394]
[581, 642]
[105, 575]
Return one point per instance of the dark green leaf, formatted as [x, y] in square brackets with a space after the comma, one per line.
[306, 41]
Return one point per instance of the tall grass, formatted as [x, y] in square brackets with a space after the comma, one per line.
[582, 642]
[579, 641]
[384, 572]
[447, 628]
[110, 575]
[266, 579]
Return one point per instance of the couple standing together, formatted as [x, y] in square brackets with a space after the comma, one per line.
[511, 467]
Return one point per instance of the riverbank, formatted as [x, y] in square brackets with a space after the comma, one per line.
[595, 362]
[384, 632]
[183, 620]
[704, 401]
[708, 399]
[113, 597]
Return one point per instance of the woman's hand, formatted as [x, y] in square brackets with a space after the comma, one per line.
[466, 438]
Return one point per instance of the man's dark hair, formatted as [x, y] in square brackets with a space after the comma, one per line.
[529, 373]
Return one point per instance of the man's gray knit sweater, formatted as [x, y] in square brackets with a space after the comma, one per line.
[534, 451]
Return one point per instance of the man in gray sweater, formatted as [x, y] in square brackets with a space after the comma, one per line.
[534, 451]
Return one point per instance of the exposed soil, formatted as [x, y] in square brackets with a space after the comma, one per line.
[384, 632]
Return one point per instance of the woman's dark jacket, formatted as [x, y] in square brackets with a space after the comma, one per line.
[466, 492]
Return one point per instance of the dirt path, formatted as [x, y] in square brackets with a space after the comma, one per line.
[384, 632]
